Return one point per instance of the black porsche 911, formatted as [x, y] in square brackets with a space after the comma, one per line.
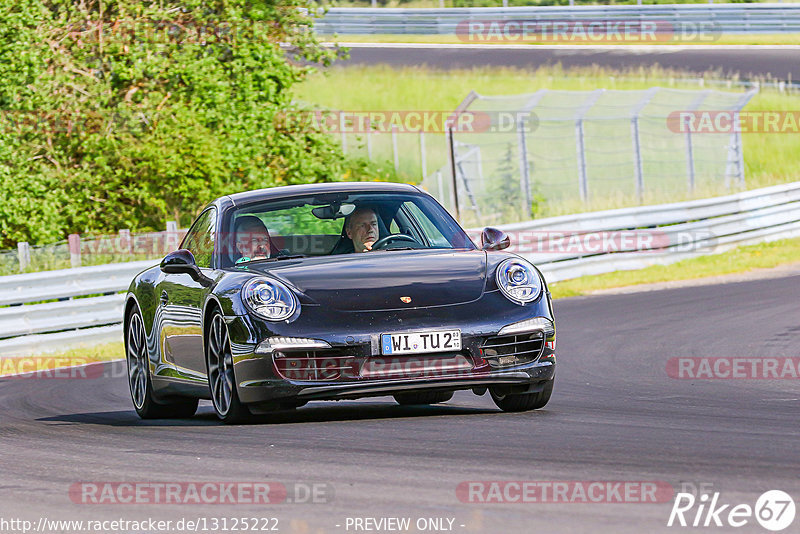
[335, 291]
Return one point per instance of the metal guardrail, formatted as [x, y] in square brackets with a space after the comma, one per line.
[68, 283]
[683, 230]
[722, 18]
[715, 225]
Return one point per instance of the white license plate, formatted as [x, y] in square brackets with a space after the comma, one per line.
[421, 342]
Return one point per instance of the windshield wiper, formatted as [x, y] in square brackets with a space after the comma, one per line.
[276, 258]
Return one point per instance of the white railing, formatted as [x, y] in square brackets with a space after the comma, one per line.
[668, 232]
[714, 18]
[675, 232]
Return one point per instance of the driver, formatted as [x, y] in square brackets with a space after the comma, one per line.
[362, 229]
[252, 239]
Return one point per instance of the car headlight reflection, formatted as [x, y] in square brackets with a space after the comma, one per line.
[269, 299]
[519, 281]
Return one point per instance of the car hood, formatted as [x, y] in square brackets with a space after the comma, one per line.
[377, 280]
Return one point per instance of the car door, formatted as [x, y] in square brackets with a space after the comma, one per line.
[181, 302]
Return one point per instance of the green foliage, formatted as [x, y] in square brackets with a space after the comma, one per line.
[125, 114]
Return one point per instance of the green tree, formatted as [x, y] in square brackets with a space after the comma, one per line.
[125, 114]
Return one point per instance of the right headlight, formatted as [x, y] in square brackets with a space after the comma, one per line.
[518, 280]
[269, 299]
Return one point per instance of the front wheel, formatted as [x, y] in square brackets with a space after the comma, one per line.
[139, 380]
[221, 380]
[423, 397]
[525, 401]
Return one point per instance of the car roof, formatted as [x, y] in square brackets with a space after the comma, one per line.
[328, 187]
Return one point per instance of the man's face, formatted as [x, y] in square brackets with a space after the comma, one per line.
[363, 230]
[252, 242]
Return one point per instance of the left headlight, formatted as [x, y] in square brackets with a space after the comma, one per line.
[518, 280]
[269, 299]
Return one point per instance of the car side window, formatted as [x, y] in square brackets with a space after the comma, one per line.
[432, 233]
[201, 237]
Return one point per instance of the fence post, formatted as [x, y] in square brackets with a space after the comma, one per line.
[690, 168]
[741, 157]
[394, 149]
[689, 157]
[171, 239]
[736, 152]
[441, 185]
[637, 141]
[74, 250]
[583, 181]
[125, 244]
[341, 132]
[583, 186]
[525, 184]
[422, 160]
[452, 153]
[735, 167]
[637, 158]
[24, 253]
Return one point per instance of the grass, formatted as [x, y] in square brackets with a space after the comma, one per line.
[726, 39]
[769, 158]
[73, 357]
[740, 260]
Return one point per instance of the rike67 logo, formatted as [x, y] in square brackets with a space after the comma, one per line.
[774, 510]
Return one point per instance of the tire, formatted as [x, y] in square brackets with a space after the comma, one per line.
[140, 382]
[525, 401]
[423, 397]
[221, 380]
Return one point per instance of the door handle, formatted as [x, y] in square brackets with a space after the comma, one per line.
[164, 298]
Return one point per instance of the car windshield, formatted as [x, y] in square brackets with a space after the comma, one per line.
[340, 223]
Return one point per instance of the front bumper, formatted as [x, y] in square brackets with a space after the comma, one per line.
[523, 379]
[260, 381]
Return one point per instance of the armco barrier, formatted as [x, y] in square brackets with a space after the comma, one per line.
[717, 18]
[715, 225]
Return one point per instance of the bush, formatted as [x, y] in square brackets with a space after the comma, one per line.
[125, 114]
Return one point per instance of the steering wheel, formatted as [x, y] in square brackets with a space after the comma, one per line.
[380, 243]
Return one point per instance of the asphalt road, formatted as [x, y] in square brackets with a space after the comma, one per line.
[776, 62]
[615, 415]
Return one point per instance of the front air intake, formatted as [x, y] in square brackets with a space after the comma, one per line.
[507, 351]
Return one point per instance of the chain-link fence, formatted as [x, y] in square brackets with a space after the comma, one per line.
[578, 150]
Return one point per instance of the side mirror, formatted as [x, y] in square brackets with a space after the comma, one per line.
[182, 262]
[494, 239]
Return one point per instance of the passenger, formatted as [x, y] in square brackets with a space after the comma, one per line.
[252, 239]
[362, 229]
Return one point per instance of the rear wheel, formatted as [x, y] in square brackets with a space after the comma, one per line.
[523, 402]
[423, 397]
[221, 380]
[139, 380]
